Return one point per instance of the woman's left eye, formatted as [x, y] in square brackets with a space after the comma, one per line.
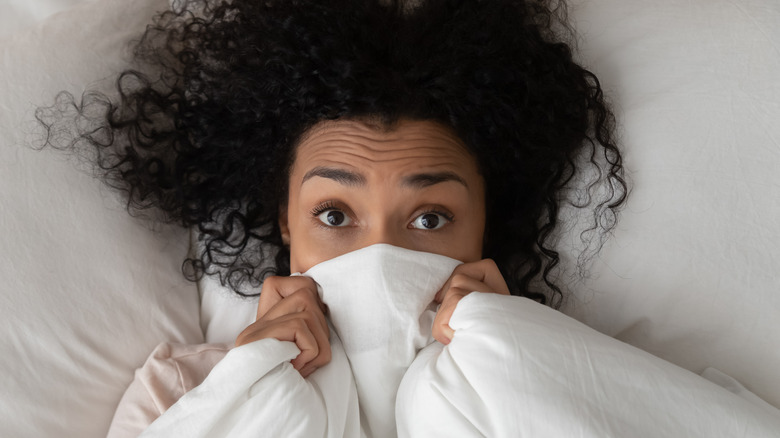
[429, 221]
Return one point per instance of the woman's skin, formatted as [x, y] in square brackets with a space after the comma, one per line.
[354, 184]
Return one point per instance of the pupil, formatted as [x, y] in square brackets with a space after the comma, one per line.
[430, 221]
[335, 217]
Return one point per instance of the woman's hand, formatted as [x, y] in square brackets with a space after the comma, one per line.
[481, 276]
[291, 310]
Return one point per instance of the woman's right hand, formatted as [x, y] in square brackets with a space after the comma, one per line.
[290, 309]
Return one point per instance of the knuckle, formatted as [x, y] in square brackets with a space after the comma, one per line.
[297, 324]
[296, 297]
[489, 263]
[324, 356]
[271, 282]
[304, 295]
[458, 280]
[300, 300]
[310, 292]
[309, 315]
[314, 351]
[438, 333]
[456, 293]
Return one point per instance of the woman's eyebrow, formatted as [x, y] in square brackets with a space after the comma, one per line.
[422, 180]
[341, 176]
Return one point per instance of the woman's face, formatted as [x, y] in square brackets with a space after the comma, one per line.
[352, 185]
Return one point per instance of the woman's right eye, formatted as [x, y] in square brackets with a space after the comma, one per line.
[334, 218]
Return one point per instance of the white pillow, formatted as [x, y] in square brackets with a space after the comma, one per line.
[20, 14]
[87, 290]
[692, 272]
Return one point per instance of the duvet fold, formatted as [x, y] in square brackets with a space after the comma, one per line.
[514, 368]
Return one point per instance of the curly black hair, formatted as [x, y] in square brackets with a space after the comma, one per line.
[205, 131]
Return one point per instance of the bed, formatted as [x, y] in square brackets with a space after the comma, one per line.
[690, 276]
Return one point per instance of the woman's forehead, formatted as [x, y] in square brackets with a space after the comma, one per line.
[360, 145]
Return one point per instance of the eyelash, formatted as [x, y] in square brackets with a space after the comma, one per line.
[450, 218]
[323, 207]
[331, 205]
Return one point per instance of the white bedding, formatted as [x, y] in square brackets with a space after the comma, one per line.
[690, 275]
[514, 368]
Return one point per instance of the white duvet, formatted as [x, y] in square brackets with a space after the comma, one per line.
[514, 368]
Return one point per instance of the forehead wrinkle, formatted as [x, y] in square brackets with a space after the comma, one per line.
[355, 147]
[343, 133]
[340, 159]
[340, 148]
[370, 143]
[366, 140]
[358, 129]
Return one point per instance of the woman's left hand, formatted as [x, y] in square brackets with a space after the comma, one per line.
[481, 276]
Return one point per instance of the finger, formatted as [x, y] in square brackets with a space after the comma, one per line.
[307, 370]
[317, 326]
[312, 356]
[484, 270]
[307, 342]
[305, 329]
[299, 301]
[302, 302]
[321, 332]
[441, 330]
[275, 289]
[487, 272]
[468, 284]
[292, 328]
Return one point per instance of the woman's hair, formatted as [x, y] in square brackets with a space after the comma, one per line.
[207, 133]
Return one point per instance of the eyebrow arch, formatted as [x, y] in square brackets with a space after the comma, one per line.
[423, 180]
[341, 176]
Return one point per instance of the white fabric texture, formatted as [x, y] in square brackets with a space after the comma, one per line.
[513, 368]
[380, 301]
[518, 369]
[87, 291]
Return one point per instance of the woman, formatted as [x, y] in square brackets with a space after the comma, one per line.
[303, 130]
